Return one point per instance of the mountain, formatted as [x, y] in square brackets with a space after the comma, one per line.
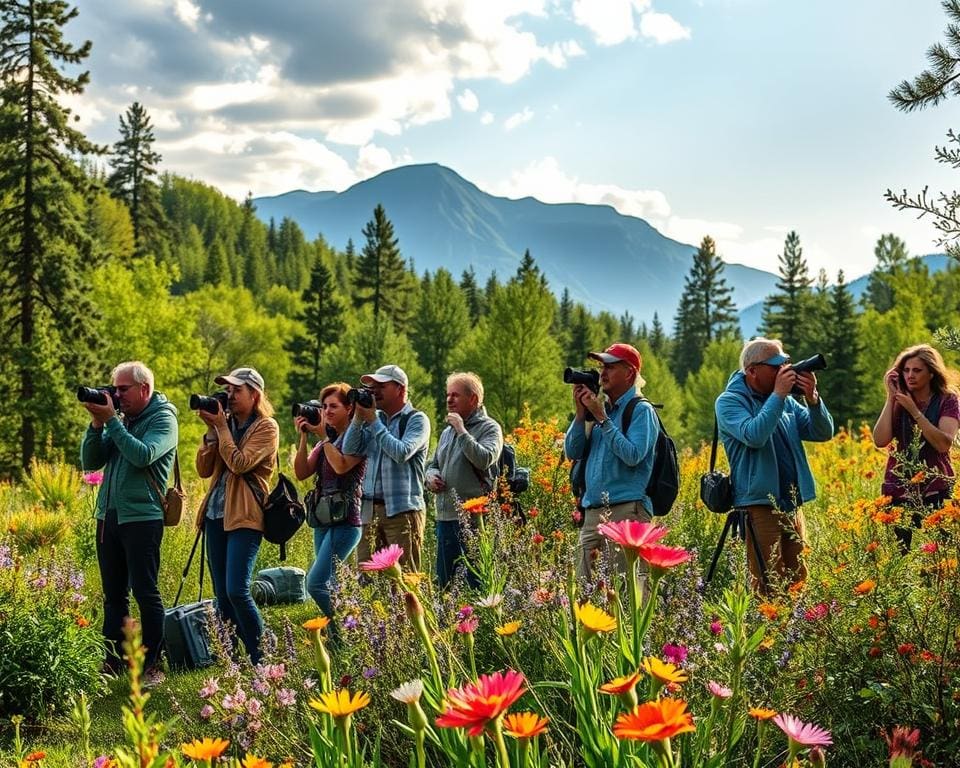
[750, 316]
[607, 260]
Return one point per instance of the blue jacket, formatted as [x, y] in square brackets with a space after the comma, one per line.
[399, 463]
[619, 465]
[747, 421]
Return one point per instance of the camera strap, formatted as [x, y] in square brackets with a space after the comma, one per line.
[177, 481]
[713, 448]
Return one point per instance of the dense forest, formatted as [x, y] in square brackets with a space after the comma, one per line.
[104, 258]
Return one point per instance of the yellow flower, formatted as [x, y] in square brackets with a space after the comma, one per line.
[205, 749]
[594, 619]
[340, 703]
[252, 761]
[505, 630]
[413, 578]
[315, 625]
[663, 671]
[762, 714]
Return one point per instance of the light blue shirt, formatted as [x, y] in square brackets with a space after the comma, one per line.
[619, 465]
[395, 466]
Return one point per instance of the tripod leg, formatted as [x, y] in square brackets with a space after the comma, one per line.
[730, 522]
[761, 565]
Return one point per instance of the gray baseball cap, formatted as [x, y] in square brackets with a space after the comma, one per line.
[240, 376]
[384, 374]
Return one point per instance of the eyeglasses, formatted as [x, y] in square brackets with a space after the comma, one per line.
[122, 388]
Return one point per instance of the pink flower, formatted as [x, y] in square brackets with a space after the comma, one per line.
[210, 687]
[929, 547]
[803, 734]
[286, 697]
[632, 534]
[475, 704]
[675, 654]
[465, 612]
[716, 627]
[93, 478]
[254, 707]
[386, 559]
[819, 611]
[661, 558]
[206, 712]
[468, 626]
[720, 691]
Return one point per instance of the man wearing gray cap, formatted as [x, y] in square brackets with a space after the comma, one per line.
[394, 437]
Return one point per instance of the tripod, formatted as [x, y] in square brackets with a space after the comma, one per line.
[738, 521]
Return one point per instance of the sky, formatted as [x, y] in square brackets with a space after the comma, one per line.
[739, 119]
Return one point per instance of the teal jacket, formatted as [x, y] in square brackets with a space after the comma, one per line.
[747, 421]
[129, 449]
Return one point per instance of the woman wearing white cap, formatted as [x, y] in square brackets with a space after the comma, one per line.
[238, 453]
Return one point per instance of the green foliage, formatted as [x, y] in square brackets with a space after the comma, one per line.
[892, 257]
[441, 323]
[841, 384]
[786, 313]
[701, 389]
[381, 274]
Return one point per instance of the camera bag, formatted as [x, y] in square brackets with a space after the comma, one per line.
[716, 488]
[283, 512]
[282, 585]
[171, 501]
[186, 631]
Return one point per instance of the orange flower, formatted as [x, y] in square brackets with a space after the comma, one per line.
[654, 721]
[761, 713]
[768, 610]
[621, 685]
[82, 622]
[476, 505]
[474, 705]
[525, 725]
[872, 547]
[35, 757]
[918, 478]
[252, 761]
[206, 749]
[316, 624]
[865, 587]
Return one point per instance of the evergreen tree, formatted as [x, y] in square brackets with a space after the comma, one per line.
[786, 313]
[381, 272]
[471, 292]
[565, 311]
[582, 340]
[628, 329]
[440, 324]
[657, 338]
[490, 289]
[252, 249]
[45, 255]
[706, 310]
[217, 271]
[323, 323]
[134, 164]
[528, 267]
[841, 384]
[892, 259]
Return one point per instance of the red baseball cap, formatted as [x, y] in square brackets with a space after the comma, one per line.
[619, 353]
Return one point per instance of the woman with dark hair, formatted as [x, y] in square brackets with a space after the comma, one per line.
[333, 506]
[922, 414]
[238, 453]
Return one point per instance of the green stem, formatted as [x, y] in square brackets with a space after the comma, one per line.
[343, 724]
[421, 737]
[503, 757]
[524, 752]
[756, 758]
[634, 604]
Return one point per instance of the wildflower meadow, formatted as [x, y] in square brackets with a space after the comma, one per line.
[857, 666]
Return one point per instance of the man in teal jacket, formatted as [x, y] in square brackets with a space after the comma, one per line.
[762, 427]
[133, 448]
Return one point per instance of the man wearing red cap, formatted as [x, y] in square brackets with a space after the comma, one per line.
[618, 462]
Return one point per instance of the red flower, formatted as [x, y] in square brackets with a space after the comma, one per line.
[661, 558]
[474, 705]
[538, 538]
[905, 649]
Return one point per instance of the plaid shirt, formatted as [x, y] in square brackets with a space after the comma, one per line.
[398, 464]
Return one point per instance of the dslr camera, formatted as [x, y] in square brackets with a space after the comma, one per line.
[360, 396]
[816, 363]
[99, 395]
[310, 410]
[209, 403]
[589, 377]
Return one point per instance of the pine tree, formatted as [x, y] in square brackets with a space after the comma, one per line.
[628, 329]
[706, 310]
[581, 337]
[528, 267]
[217, 271]
[323, 322]
[892, 259]
[252, 249]
[440, 324]
[786, 313]
[491, 288]
[565, 310]
[471, 292]
[841, 384]
[45, 245]
[381, 272]
[657, 338]
[134, 164]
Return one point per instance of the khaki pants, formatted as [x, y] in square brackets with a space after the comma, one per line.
[781, 537]
[405, 529]
[592, 541]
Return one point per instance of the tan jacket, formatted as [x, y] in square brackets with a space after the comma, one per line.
[256, 455]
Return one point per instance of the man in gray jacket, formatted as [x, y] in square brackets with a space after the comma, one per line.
[464, 466]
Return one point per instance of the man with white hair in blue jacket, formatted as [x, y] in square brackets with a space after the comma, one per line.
[762, 427]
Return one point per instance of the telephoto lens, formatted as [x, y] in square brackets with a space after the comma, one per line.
[98, 395]
[209, 403]
[590, 378]
[309, 410]
[361, 396]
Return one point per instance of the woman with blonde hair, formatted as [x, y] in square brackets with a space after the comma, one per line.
[333, 506]
[921, 414]
[238, 453]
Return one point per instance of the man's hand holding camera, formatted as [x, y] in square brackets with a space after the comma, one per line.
[585, 400]
[101, 414]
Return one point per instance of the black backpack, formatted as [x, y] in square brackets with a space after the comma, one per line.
[664, 485]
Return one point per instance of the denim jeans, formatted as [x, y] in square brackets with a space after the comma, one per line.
[329, 542]
[450, 550]
[129, 559]
[231, 556]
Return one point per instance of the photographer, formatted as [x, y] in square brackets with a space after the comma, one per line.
[762, 427]
[337, 490]
[464, 466]
[132, 448]
[394, 437]
[618, 464]
[238, 453]
[921, 404]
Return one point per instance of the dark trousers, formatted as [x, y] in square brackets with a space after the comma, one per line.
[451, 552]
[930, 503]
[129, 560]
[231, 556]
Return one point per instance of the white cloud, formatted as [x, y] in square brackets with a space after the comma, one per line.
[662, 28]
[610, 21]
[518, 118]
[187, 12]
[486, 118]
[468, 101]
